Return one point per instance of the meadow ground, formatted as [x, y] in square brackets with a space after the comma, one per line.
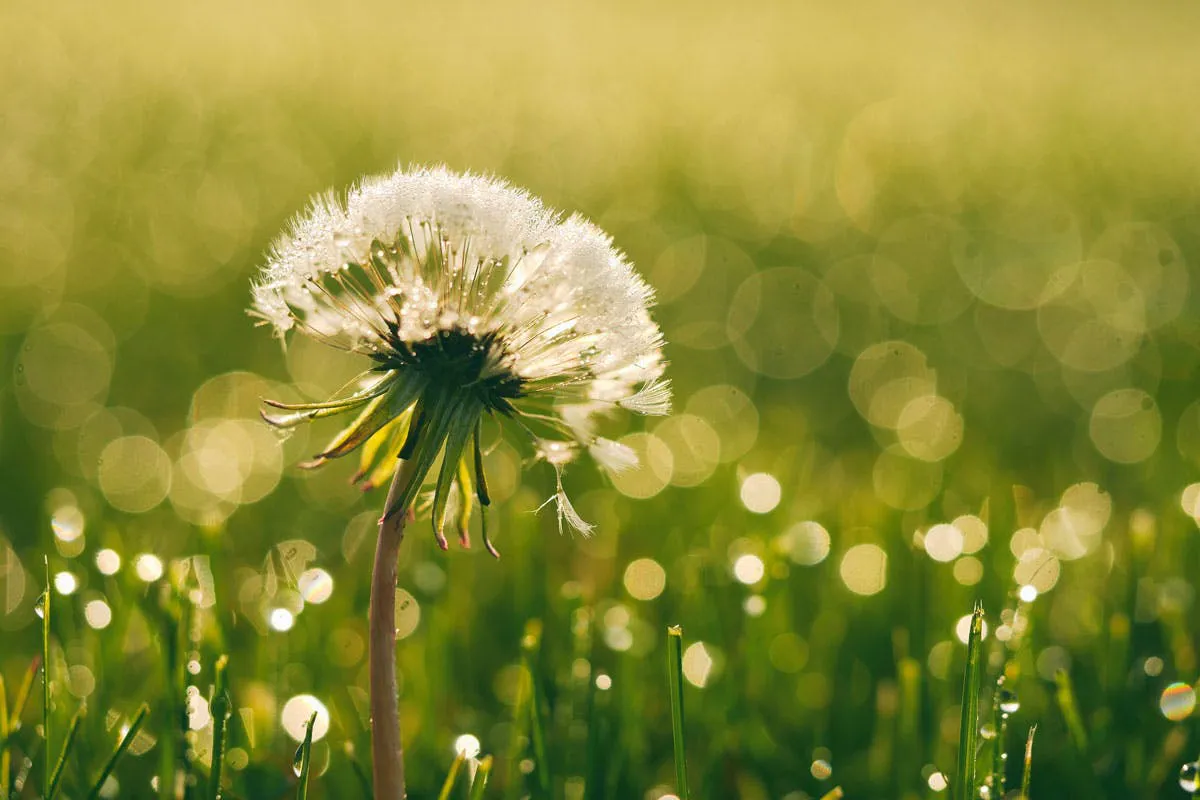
[927, 277]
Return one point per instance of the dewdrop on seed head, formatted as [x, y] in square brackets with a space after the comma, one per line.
[472, 299]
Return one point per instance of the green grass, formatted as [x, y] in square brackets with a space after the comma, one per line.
[800, 184]
[964, 786]
[675, 683]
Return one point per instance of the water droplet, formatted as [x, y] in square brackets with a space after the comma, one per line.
[1189, 776]
[1008, 701]
[39, 608]
[985, 792]
[298, 760]
[987, 732]
[193, 667]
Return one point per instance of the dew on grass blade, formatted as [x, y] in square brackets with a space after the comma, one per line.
[1189, 777]
[1007, 700]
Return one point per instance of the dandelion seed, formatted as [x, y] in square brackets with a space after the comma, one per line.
[472, 299]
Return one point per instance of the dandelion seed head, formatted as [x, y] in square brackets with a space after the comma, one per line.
[472, 298]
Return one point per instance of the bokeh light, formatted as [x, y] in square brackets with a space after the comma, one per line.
[761, 492]
[467, 746]
[645, 579]
[864, 569]
[748, 569]
[148, 567]
[806, 543]
[296, 713]
[1177, 702]
[699, 665]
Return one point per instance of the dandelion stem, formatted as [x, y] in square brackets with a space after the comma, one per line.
[387, 753]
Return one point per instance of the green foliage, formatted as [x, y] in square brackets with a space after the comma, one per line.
[916, 267]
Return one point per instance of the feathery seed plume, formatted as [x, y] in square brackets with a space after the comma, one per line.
[471, 298]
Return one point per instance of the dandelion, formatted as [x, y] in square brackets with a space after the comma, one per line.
[472, 300]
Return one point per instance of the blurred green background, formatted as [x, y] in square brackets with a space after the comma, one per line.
[927, 276]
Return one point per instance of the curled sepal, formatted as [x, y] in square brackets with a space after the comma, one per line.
[456, 441]
[377, 413]
[305, 412]
[483, 529]
[466, 502]
[377, 462]
[438, 417]
[481, 488]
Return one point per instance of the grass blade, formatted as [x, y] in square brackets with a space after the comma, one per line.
[122, 746]
[10, 725]
[56, 776]
[304, 756]
[14, 719]
[835, 793]
[360, 773]
[5, 756]
[448, 785]
[675, 680]
[46, 671]
[1065, 694]
[530, 645]
[481, 778]
[220, 716]
[968, 732]
[1028, 764]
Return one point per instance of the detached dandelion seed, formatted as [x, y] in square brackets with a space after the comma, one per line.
[472, 299]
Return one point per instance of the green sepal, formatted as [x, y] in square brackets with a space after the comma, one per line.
[441, 412]
[378, 413]
[456, 441]
[466, 502]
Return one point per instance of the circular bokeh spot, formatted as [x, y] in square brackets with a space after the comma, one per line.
[783, 322]
[134, 473]
[1126, 426]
